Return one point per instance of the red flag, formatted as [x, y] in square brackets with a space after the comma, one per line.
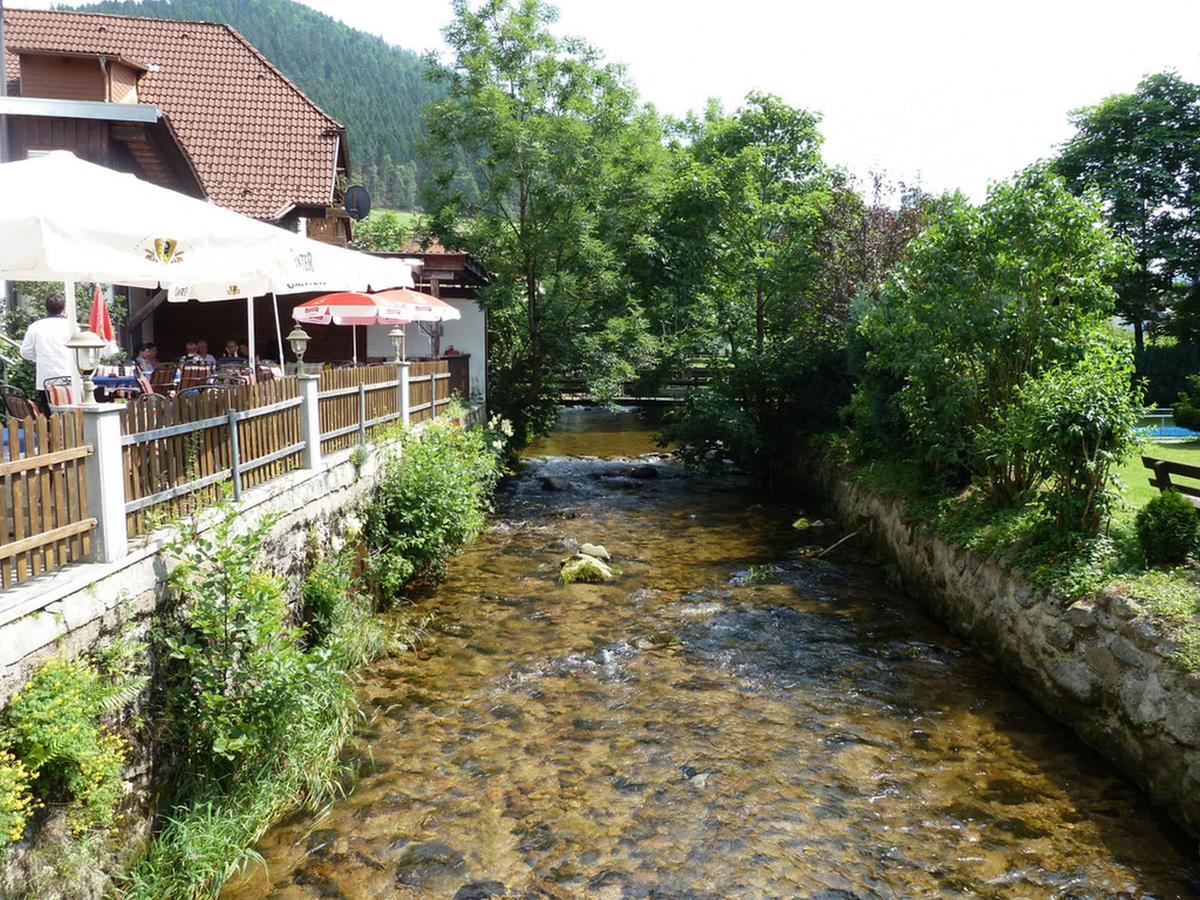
[98, 320]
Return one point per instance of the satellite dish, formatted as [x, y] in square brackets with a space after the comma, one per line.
[358, 202]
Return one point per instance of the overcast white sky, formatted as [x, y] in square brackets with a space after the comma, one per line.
[953, 93]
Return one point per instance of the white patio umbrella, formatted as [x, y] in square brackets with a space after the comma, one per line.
[64, 219]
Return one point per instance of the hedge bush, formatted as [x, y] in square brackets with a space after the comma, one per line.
[1167, 528]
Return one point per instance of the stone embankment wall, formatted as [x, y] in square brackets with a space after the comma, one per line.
[1095, 663]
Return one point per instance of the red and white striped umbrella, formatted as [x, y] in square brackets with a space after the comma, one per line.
[398, 307]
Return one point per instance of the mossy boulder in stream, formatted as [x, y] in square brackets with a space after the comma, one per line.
[597, 551]
[587, 569]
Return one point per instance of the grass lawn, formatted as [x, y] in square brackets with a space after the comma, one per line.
[1136, 478]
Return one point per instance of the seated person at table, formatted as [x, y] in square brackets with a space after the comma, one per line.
[147, 357]
[190, 355]
[203, 355]
[233, 353]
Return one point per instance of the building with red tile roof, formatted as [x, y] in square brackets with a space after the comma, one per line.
[255, 143]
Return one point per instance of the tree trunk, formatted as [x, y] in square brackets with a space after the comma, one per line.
[535, 336]
[1139, 340]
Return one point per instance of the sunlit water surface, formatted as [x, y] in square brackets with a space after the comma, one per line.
[684, 733]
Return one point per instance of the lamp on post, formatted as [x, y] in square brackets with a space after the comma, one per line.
[298, 339]
[87, 346]
[397, 336]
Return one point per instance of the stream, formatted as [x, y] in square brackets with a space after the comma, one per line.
[699, 727]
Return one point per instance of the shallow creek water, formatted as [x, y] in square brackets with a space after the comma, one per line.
[688, 732]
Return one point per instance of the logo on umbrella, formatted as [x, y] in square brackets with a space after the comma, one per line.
[164, 250]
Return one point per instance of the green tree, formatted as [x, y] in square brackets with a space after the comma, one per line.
[544, 127]
[382, 230]
[985, 300]
[1142, 152]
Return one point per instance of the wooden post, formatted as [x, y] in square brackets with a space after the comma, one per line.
[104, 475]
[403, 375]
[362, 413]
[310, 420]
[235, 460]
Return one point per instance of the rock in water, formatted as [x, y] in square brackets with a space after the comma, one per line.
[596, 550]
[587, 569]
[553, 483]
[645, 473]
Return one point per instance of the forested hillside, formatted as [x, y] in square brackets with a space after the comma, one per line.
[374, 89]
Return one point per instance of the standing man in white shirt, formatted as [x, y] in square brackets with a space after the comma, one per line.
[46, 344]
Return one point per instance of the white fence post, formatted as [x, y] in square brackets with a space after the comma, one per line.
[310, 419]
[402, 375]
[105, 477]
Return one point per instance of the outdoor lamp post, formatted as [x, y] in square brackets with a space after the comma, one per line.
[298, 339]
[87, 346]
[397, 336]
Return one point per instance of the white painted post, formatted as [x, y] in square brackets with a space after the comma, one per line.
[310, 419]
[402, 375]
[105, 478]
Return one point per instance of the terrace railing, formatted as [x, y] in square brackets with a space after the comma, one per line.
[82, 482]
[178, 451]
[357, 402]
[43, 491]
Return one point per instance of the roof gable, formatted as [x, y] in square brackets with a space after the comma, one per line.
[259, 145]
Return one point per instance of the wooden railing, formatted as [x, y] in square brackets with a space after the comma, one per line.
[45, 496]
[178, 452]
[433, 383]
[173, 455]
[354, 403]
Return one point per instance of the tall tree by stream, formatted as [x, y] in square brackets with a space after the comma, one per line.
[564, 159]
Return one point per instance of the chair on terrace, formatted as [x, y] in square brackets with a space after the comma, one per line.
[17, 404]
[191, 376]
[58, 391]
[162, 379]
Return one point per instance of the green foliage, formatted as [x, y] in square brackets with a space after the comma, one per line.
[256, 719]
[986, 299]
[376, 90]
[1187, 409]
[565, 167]
[17, 802]
[1172, 599]
[1081, 419]
[384, 229]
[1166, 370]
[52, 725]
[1167, 528]
[238, 677]
[431, 500]
[1140, 151]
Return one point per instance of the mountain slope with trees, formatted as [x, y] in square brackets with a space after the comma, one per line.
[373, 88]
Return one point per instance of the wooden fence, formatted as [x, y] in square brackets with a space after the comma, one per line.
[354, 403]
[177, 452]
[433, 383]
[44, 494]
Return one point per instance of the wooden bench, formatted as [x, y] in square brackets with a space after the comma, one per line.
[1163, 469]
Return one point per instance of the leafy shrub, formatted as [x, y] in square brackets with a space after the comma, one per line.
[16, 797]
[339, 617]
[431, 500]
[1167, 527]
[53, 727]
[239, 680]
[257, 722]
[1081, 421]
[985, 299]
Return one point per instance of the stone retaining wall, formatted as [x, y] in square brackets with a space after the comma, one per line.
[1096, 664]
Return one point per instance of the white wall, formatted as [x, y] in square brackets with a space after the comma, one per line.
[467, 335]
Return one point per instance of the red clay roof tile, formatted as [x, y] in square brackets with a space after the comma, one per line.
[257, 142]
